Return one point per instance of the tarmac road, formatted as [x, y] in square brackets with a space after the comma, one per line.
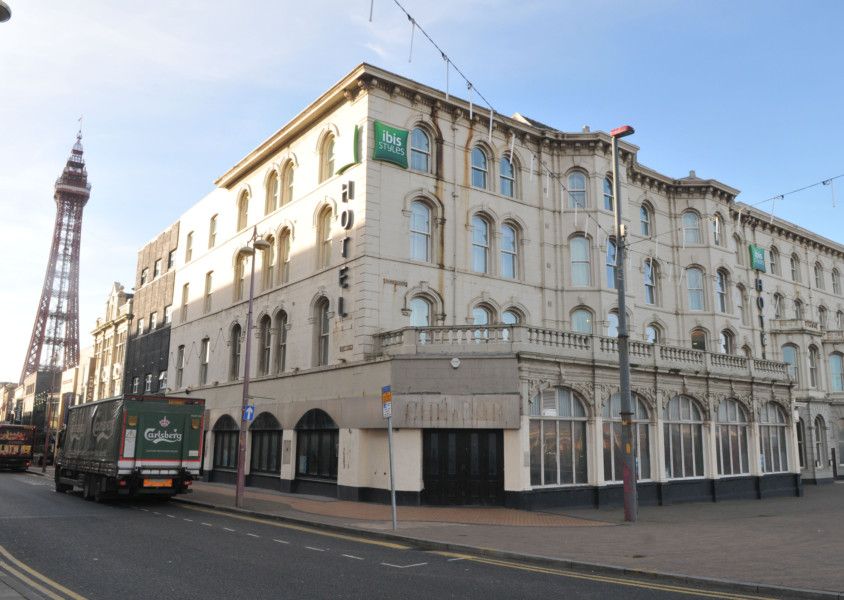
[78, 549]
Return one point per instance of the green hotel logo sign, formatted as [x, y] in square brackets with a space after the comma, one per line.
[391, 144]
[757, 258]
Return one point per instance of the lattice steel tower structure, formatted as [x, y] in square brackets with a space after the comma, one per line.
[54, 345]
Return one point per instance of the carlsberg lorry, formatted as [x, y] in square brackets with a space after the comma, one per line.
[130, 446]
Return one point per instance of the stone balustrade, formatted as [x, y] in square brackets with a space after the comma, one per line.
[504, 339]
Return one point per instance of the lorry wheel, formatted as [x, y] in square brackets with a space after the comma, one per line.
[99, 495]
[61, 488]
[88, 487]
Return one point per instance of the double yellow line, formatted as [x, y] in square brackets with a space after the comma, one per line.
[37, 581]
[602, 578]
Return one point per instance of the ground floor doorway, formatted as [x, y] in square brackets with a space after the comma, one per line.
[463, 466]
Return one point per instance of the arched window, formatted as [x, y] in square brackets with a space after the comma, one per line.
[795, 268]
[480, 244]
[321, 331]
[836, 373]
[727, 342]
[273, 188]
[326, 158]
[612, 324]
[420, 312]
[481, 315]
[420, 231]
[242, 211]
[801, 443]
[653, 334]
[284, 256]
[281, 341]
[266, 333]
[266, 445]
[268, 260]
[557, 438]
[778, 306]
[683, 438]
[324, 237]
[691, 228]
[287, 183]
[798, 309]
[581, 321]
[651, 278]
[212, 231]
[580, 261]
[645, 219]
[509, 251]
[741, 304]
[820, 442]
[420, 150]
[225, 443]
[507, 177]
[698, 337]
[611, 263]
[819, 279]
[775, 260]
[790, 358]
[722, 284]
[234, 352]
[480, 167]
[731, 446]
[772, 438]
[608, 194]
[511, 317]
[822, 318]
[694, 283]
[240, 276]
[740, 258]
[577, 190]
[317, 446]
[836, 282]
[613, 449]
[717, 230]
[814, 359]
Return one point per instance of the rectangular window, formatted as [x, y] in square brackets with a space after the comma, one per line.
[140, 326]
[171, 259]
[148, 383]
[153, 321]
[189, 247]
[168, 313]
[144, 276]
[136, 383]
[156, 269]
[204, 352]
[209, 288]
[212, 231]
[180, 366]
[185, 297]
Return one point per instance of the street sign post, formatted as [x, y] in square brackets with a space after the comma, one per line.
[387, 412]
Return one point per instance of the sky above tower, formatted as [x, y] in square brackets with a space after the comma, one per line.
[173, 94]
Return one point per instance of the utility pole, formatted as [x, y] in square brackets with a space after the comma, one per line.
[628, 440]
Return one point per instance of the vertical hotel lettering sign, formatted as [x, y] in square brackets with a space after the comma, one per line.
[391, 144]
[347, 219]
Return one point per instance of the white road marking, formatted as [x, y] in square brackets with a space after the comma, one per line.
[317, 549]
[404, 566]
[253, 535]
[281, 541]
[208, 524]
[228, 529]
[188, 520]
[156, 513]
[456, 559]
[352, 556]
[145, 509]
[172, 516]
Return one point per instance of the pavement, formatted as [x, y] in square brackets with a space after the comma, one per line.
[780, 546]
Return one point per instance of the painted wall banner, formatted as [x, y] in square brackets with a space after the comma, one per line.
[757, 258]
[391, 144]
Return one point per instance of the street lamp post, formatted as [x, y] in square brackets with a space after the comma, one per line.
[257, 243]
[628, 441]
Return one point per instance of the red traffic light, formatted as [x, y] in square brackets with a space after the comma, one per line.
[622, 131]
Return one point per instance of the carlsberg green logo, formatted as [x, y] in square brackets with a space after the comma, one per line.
[391, 144]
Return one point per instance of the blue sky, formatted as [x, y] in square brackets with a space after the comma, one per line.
[750, 93]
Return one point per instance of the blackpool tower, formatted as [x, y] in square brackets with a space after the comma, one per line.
[54, 345]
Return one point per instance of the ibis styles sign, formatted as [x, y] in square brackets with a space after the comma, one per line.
[757, 258]
[391, 144]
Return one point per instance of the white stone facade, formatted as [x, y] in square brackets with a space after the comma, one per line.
[406, 250]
